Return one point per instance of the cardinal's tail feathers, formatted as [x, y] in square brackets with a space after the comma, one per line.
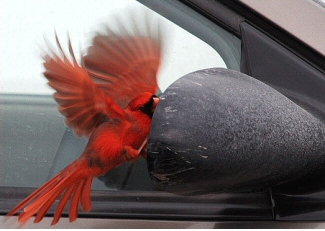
[73, 182]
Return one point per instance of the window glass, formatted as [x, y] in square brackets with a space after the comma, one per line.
[35, 141]
[24, 24]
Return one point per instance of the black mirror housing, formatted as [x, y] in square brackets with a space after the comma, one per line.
[218, 130]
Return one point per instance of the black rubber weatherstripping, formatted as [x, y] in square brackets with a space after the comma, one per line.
[220, 130]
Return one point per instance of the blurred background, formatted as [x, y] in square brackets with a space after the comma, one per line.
[25, 23]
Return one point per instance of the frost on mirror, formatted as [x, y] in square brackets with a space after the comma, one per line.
[32, 129]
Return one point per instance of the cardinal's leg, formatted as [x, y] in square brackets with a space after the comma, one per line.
[132, 153]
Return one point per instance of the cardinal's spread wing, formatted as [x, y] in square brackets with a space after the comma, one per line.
[117, 69]
[83, 104]
[124, 66]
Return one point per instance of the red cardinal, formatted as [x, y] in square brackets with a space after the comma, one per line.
[110, 98]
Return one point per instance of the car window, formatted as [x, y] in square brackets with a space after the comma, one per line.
[36, 144]
[27, 23]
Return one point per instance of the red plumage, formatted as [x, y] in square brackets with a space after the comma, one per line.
[110, 98]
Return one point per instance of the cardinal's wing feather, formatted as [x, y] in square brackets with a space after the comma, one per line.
[124, 65]
[117, 68]
[83, 104]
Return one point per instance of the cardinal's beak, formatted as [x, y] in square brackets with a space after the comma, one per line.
[156, 101]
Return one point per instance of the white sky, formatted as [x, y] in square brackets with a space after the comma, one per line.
[24, 23]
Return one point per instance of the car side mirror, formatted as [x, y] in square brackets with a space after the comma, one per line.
[219, 130]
